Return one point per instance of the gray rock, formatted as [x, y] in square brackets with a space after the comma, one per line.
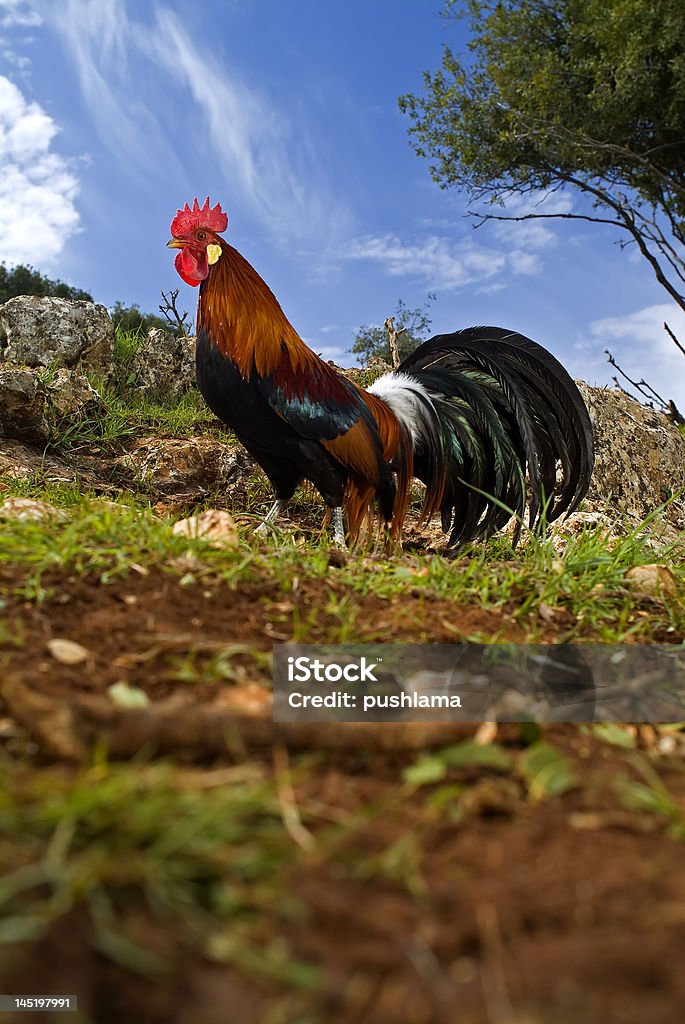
[71, 396]
[22, 406]
[164, 364]
[42, 330]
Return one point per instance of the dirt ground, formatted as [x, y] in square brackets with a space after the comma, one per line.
[556, 911]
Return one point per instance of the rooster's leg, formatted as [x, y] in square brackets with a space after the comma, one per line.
[338, 528]
[272, 514]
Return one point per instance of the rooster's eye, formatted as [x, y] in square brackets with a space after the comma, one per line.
[201, 235]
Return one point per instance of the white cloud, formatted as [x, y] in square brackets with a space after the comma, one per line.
[249, 139]
[37, 186]
[443, 263]
[438, 261]
[18, 13]
[642, 348]
[20, 62]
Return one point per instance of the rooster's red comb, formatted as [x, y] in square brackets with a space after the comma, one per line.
[187, 219]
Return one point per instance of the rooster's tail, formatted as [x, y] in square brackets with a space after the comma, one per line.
[485, 408]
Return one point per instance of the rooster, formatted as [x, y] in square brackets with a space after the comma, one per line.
[488, 420]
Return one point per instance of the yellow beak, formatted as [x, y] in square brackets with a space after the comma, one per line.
[175, 243]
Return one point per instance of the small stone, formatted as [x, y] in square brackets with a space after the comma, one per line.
[214, 525]
[30, 509]
[652, 580]
[67, 652]
[547, 613]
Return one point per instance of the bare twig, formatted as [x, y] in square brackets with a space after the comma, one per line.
[667, 406]
[171, 313]
[645, 389]
[286, 795]
[673, 338]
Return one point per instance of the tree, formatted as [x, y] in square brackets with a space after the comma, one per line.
[412, 326]
[24, 280]
[557, 94]
[130, 319]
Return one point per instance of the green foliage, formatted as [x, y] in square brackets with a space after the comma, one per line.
[545, 79]
[130, 320]
[558, 93]
[24, 280]
[433, 767]
[414, 324]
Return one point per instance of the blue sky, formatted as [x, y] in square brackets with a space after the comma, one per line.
[114, 113]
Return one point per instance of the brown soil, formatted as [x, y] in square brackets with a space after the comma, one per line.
[559, 912]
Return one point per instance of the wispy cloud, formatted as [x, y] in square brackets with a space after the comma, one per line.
[18, 12]
[102, 42]
[250, 140]
[439, 262]
[37, 185]
[256, 144]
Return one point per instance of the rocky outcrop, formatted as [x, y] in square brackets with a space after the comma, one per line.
[44, 330]
[164, 364]
[33, 403]
[639, 457]
[171, 466]
[70, 396]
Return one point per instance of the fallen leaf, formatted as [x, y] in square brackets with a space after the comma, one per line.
[546, 612]
[126, 696]
[67, 652]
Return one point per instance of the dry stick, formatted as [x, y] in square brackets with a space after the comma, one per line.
[170, 307]
[640, 385]
[393, 335]
[673, 410]
[286, 795]
[668, 407]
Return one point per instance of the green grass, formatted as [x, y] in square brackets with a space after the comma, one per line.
[587, 581]
[126, 412]
[206, 860]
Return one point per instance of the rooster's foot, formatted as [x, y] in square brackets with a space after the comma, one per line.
[338, 529]
[267, 526]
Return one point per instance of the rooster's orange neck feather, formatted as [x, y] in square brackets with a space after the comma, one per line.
[242, 316]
